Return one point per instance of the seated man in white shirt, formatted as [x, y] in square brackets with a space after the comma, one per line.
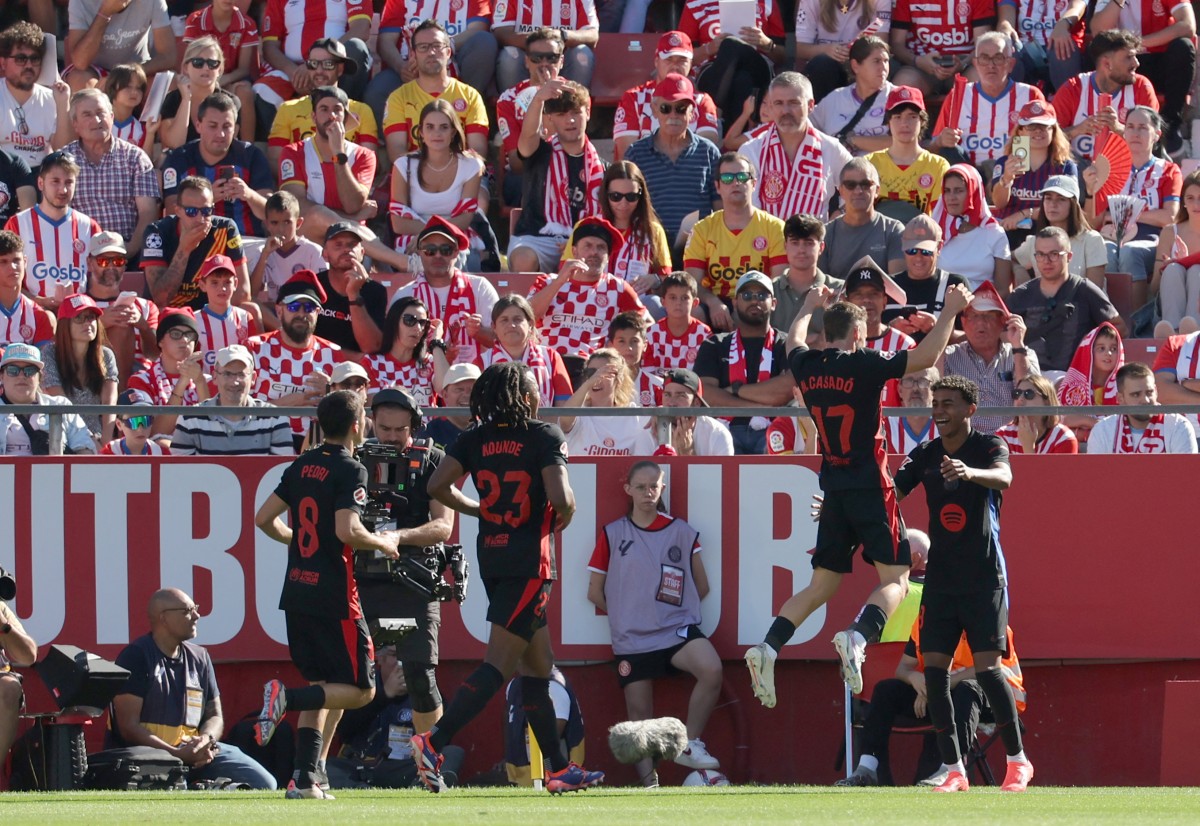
[1141, 432]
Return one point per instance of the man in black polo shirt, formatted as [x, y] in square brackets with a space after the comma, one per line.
[842, 387]
[964, 473]
[923, 281]
[323, 492]
[752, 353]
[177, 246]
[355, 307]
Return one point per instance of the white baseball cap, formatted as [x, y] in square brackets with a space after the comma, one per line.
[234, 352]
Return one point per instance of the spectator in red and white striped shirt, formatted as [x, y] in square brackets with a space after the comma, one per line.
[56, 236]
[221, 324]
[21, 319]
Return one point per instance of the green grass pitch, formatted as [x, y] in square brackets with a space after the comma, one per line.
[725, 806]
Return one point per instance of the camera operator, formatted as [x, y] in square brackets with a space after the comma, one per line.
[422, 522]
[16, 648]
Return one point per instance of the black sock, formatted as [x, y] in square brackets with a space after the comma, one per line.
[308, 698]
[470, 699]
[941, 713]
[539, 711]
[781, 631]
[308, 752]
[1004, 707]
[870, 622]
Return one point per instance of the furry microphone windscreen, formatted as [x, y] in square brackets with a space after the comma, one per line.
[662, 738]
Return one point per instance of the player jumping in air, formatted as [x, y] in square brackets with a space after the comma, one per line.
[964, 473]
[842, 387]
[519, 467]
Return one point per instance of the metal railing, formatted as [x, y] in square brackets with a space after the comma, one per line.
[55, 412]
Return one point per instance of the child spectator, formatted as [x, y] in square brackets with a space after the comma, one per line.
[285, 254]
[135, 428]
[220, 323]
[126, 87]
[627, 335]
[1092, 377]
[674, 340]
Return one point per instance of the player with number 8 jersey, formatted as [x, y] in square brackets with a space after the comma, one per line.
[841, 386]
[519, 467]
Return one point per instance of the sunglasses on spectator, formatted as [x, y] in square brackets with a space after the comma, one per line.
[137, 422]
[192, 212]
[28, 371]
[735, 177]
[201, 62]
[182, 335]
[444, 250]
[21, 122]
[680, 108]
[921, 252]
[1028, 394]
[747, 295]
[858, 184]
[544, 57]
[26, 59]
[112, 261]
[631, 197]
[411, 320]
[328, 63]
[301, 306]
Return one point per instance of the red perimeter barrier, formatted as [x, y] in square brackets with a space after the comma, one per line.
[1097, 549]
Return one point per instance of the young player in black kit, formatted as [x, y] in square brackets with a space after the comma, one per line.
[842, 387]
[323, 492]
[519, 467]
[964, 472]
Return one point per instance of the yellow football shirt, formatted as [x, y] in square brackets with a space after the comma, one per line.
[919, 183]
[725, 255]
[293, 123]
[404, 106]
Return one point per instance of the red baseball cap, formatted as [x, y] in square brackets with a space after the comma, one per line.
[73, 305]
[675, 43]
[905, 95]
[988, 300]
[675, 87]
[440, 226]
[1037, 111]
[214, 264]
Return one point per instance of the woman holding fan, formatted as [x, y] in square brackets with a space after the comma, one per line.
[1153, 182]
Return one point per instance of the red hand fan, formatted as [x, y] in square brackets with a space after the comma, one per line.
[1113, 164]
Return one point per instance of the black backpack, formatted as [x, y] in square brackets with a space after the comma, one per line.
[135, 768]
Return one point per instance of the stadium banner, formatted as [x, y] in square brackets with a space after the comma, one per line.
[1086, 538]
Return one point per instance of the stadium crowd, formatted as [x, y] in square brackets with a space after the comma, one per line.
[232, 199]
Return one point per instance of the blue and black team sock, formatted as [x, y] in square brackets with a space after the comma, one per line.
[539, 711]
[1004, 707]
[308, 752]
[870, 622]
[781, 631]
[470, 699]
[308, 698]
[941, 713]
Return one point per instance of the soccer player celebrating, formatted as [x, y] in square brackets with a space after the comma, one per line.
[519, 466]
[324, 492]
[842, 386]
[964, 472]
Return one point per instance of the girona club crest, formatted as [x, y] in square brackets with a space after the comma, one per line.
[773, 186]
